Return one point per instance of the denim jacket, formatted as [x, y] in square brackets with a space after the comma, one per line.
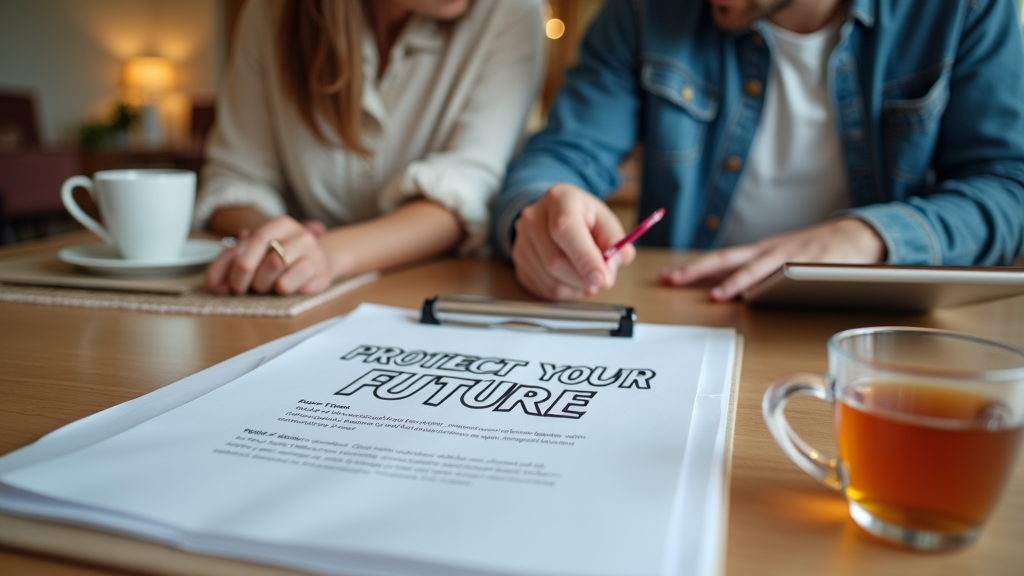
[928, 98]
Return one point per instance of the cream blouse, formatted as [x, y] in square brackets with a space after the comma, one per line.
[442, 122]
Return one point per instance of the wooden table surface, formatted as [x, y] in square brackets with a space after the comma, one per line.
[59, 364]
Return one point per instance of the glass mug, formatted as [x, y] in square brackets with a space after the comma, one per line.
[928, 424]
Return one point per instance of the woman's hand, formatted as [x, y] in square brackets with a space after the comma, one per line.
[416, 230]
[252, 264]
[735, 270]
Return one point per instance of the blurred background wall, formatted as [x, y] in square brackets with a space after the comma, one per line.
[88, 85]
[70, 54]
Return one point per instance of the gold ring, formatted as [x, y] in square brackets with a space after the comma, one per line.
[280, 251]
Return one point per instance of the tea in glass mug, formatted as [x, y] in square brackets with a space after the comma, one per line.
[928, 424]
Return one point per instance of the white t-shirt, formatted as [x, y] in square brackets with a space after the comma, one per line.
[443, 122]
[794, 175]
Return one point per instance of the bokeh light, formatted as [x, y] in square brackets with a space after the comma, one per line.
[554, 28]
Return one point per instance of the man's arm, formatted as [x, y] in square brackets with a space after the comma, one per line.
[974, 213]
[735, 270]
[593, 125]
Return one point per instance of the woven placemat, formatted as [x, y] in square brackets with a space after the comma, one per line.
[44, 268]
[198, 301]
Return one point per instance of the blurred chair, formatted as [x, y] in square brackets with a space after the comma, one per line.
[199, 129]
[30, 176]
[17, 121]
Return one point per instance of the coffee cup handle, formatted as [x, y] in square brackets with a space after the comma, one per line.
[67, 196]
[773, 407]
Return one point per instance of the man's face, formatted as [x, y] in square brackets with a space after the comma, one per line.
[733, 15]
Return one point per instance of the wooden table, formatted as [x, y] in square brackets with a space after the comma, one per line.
[60, 364]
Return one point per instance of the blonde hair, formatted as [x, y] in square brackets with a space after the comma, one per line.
[319, 48]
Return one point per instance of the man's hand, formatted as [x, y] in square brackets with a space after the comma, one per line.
[735, 270]
[560, 241]
[253, 265]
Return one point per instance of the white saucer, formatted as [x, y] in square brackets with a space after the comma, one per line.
[103, 259]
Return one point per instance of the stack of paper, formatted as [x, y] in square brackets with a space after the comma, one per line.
[376, 445]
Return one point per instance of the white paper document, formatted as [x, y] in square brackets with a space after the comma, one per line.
[377, 445]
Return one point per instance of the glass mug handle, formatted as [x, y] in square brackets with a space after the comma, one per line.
[773, 406]
[67, 196]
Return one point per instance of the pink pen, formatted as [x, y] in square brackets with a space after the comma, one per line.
[636, 233]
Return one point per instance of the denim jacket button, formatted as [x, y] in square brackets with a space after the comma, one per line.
[753, 87]
[686, 93]
[712, 222]
[757, 39]
[733, 164]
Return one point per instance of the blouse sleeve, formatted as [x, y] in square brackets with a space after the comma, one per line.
[465, 174]
[243, 166]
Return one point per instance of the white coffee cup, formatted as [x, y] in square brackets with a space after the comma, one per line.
[147, 214]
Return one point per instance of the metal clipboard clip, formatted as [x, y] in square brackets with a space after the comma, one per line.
[570, 318]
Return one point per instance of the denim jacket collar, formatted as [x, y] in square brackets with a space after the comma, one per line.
[863, 10]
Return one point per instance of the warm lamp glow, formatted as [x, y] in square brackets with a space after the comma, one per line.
[554, 28]
[149, 73]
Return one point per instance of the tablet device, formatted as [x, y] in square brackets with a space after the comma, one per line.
[885, 288]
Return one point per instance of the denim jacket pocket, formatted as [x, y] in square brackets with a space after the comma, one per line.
[912, 109]
[680, 105]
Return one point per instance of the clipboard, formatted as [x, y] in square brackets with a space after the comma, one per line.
[565, 318]
[120, 551]
[66, 542]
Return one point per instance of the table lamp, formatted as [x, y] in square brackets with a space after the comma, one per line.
[150, 76]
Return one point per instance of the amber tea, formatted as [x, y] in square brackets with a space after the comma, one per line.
[928, 423]
[924, 457]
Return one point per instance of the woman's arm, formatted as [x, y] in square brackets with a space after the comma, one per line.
[431, 206]
[232, 220]
[243, 167]
[416, 230]
[500, 47]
